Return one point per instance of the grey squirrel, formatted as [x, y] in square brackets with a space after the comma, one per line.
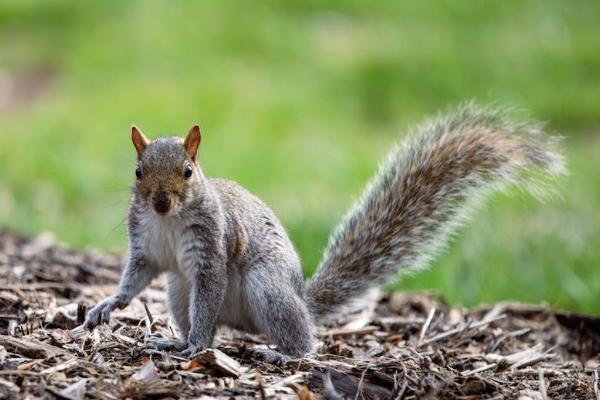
[229, 261]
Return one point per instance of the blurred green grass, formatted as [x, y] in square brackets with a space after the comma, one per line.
[298, 102]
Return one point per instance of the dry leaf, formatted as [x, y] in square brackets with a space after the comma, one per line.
[63, 316]
[186, 366]
[147, 373]
[304, 394]
[221, 362]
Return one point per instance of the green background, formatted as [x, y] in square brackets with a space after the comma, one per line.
[298, 101]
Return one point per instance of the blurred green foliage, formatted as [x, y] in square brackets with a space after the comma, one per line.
[298, 101]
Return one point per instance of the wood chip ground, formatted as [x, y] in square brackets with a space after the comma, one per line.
[409, 346]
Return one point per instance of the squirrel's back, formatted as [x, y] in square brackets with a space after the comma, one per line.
[425, 190]
[252, 228]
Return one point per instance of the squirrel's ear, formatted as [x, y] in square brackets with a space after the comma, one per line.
[192, 141]
[139, 140]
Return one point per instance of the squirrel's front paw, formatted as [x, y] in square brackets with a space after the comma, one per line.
[101, 313]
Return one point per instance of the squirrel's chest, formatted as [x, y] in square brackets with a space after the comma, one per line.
[161, 241]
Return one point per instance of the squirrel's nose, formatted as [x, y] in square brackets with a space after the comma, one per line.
[161, 203]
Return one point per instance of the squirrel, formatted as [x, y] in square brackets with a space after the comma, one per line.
[229, 261]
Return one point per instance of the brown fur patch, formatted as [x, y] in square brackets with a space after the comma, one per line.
[238, 246]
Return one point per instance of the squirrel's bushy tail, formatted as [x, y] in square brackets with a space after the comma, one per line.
[425, 190]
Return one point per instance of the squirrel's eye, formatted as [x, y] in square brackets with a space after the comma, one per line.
[138, 173]
[187, 172]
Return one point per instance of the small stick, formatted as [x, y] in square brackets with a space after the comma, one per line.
[37, 286]
[596, 389]
[402, 391]
[359, 388]
[347, 332]
[261, 387]
[530, 361]
[542, 385]
[519, 332]
[18, 372]
[150, 318]
[462, 328]
[426, 325]
[478, 370]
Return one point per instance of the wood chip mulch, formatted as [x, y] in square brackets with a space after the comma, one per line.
[409, 346]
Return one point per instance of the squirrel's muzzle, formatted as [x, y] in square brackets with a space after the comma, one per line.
[161, 202]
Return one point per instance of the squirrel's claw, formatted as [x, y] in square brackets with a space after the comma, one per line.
[100, 314]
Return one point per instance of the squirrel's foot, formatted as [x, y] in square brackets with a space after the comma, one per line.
[270, 356]
[161, 342]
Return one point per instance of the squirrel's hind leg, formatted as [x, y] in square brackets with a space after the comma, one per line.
[162, 342]
[278, 311]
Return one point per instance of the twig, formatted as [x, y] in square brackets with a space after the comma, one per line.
[61, 367]
[261, 387]
[596, 389]
[462, 328]
[359, 388]
[37, 286]
[478, 370]
[516, 333]
[347, 332]
[542, 385]
[17, 372]
[426, 325]
[532, 360]
[402, 391]
[150, 318]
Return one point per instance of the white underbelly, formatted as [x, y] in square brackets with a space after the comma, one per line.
[161, 241]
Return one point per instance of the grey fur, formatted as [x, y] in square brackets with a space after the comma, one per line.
[229, 261]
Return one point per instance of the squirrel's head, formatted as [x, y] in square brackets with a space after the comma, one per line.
[167, 175]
